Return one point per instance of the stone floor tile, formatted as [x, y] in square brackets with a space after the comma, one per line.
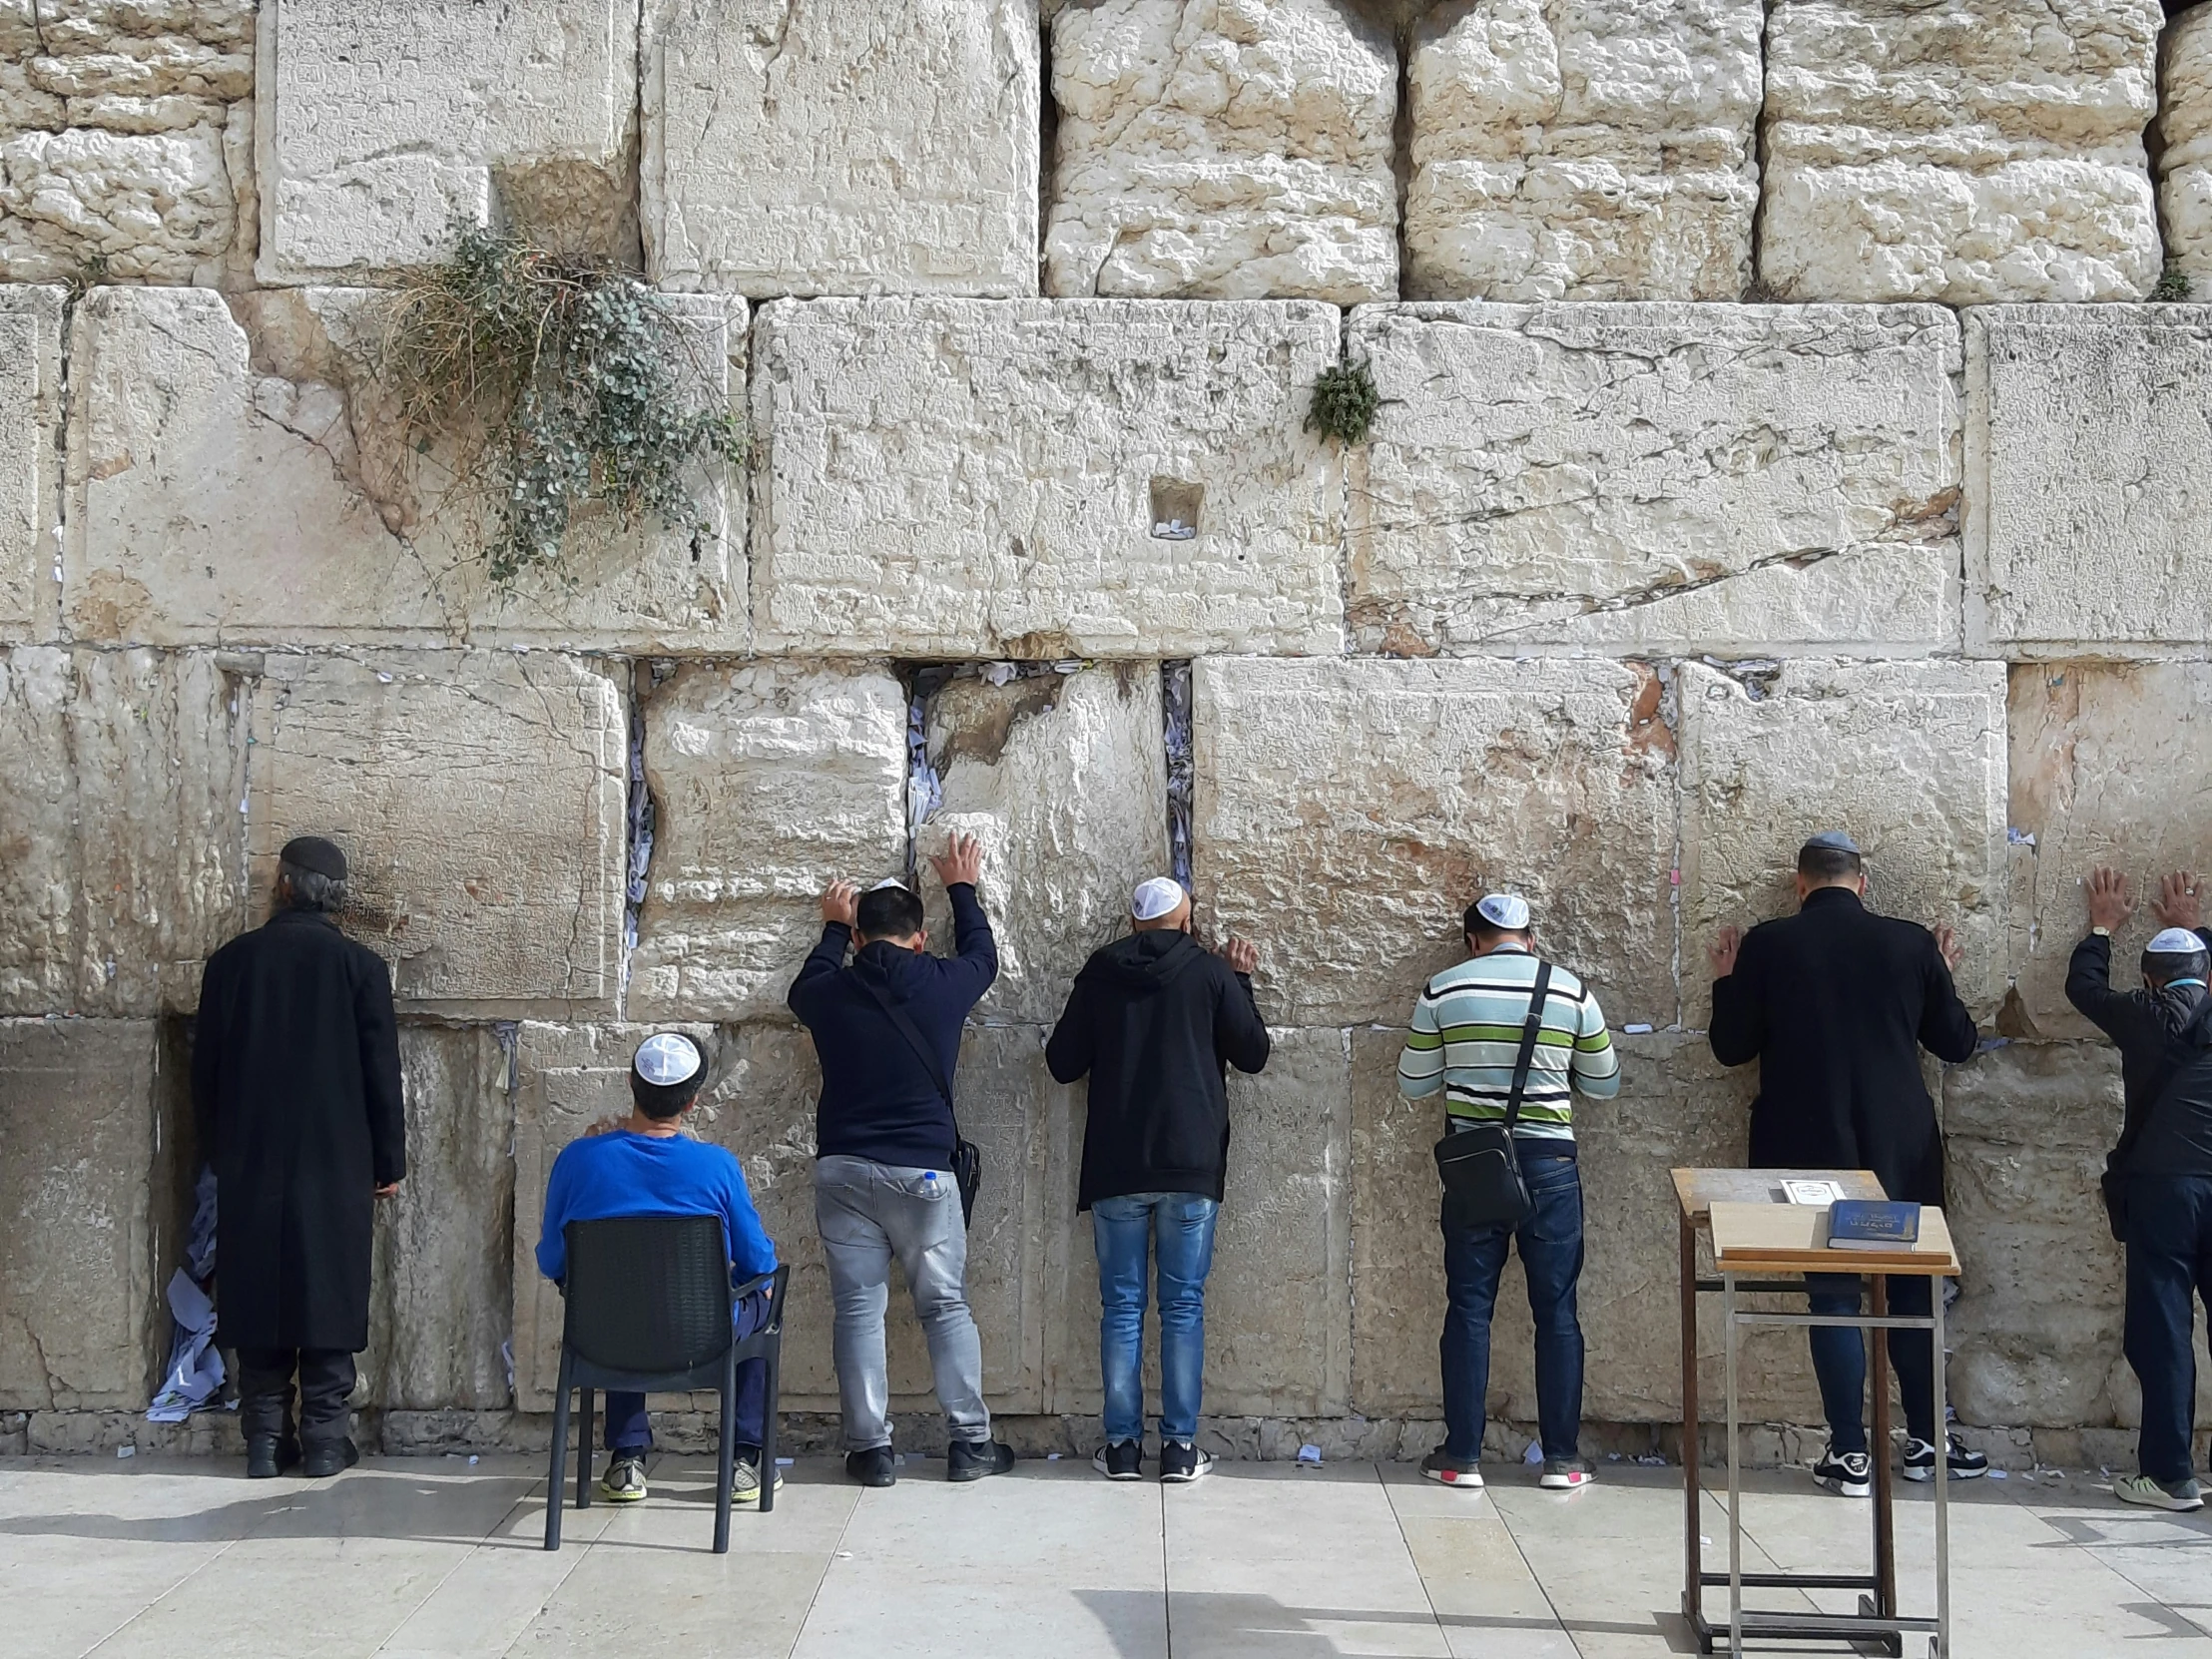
[1480, 1585]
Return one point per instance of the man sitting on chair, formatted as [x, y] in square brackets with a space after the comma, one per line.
[642, 1166]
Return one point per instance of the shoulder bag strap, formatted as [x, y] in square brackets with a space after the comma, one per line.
[1529, 1032]
[914, 1040]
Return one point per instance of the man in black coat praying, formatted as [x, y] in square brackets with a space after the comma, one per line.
[296, 1093]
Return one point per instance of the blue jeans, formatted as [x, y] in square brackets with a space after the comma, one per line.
[1840, 1357]
[627, 1430]
[2169, 1256]
[1550, 1244]
[1178, 1230]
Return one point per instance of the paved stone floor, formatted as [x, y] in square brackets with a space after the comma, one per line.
[423, 1558]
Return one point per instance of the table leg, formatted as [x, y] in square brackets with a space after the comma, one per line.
[1693, 1592]
[1884, 1521]
[1943, 1481]
[1734, 1478]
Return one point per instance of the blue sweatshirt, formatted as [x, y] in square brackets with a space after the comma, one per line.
[879, 1100]
[620, 1174]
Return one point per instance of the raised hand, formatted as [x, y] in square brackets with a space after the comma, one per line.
[841, 903]
[961, 860]
[2109, 904]
[1721, 953]
[2176, 904]
[1242, 955]
[1948, 947]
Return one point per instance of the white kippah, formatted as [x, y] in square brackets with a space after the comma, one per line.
[887, 881]
[1155, 898]
[1505, 910]
[668, 1057]
[2175, 941]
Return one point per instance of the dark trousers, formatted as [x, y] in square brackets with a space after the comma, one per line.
[1840, 1357]
[325, 1391]
[2169, 1257]
[628, 1430]
[1550, 1244]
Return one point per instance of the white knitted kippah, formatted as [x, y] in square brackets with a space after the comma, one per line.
[668, 1057]
[2175, 941]
[1156, 897]
[1505, 910]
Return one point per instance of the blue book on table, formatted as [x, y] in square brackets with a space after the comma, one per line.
[1873, 1224]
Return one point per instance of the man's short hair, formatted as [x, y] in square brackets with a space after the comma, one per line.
[1827, 864]
[662, 1101]
[2175, 953]
[310, 889]
[888, 914]
[1479, 926]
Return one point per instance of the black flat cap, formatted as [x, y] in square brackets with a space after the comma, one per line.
[316, 855]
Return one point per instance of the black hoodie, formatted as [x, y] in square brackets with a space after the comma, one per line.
[1153, 1018]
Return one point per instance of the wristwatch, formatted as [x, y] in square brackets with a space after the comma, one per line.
[2101, 932]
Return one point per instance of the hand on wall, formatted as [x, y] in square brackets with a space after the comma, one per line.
[2176, 904]
[1721, 953]
[2109, 904]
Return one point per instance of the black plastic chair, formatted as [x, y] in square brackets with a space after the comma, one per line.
[650, 1310]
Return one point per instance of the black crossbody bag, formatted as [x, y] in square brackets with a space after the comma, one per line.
[2185, 1048]
[1479, 1165]
[967, 1161]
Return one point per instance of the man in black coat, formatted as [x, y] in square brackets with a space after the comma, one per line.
[1834, 1003]
[1154, 1019]
[295, 1091]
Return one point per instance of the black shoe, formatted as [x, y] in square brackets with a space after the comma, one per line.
[875, 1467]
[973, 1459]
[267, 1456]
[1180, 1465]
[1965, 1463]
[1121, 1461]
[1848, 1472]
[1462, 1474]
[323, 1461]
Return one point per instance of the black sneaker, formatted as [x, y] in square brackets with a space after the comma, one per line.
[267, 1456]
[1460, 1473]
[1180, 1464]
[874, 1466]
[973, 1459]
[1122, 1461]
[1848, 1472]
[323, 1461]
[1965, 1463]
[1565, 1475]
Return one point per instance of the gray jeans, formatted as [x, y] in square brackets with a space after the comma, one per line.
[867, 1213]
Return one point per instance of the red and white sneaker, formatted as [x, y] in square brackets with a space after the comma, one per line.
[1565, 1475]
[1441, 1465]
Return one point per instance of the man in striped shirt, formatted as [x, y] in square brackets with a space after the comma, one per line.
[1466, 1038]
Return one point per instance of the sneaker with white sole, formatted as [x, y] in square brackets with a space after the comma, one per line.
[745, 1481]
[2181, 1497]
[1965, 1463]
[1120, 1460]
[624, 1482]
[1565, 1475]
[1460, 1473]
[1180, 1464]
[1848, 1472]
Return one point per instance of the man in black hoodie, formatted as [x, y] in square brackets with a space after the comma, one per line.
[1153, 1019]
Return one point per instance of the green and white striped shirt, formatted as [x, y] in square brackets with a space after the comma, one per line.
[1466, 1035]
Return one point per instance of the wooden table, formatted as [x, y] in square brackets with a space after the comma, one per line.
[1758, 1235]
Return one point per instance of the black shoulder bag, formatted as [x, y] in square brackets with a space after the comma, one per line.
[967, 1161]
[1479, 1166]
[2184, 1048]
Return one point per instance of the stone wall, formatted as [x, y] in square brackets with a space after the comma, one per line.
[1735, 474]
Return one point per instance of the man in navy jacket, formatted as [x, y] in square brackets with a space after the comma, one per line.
[887, 1031]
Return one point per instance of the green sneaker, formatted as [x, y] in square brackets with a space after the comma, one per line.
[624, 1482]
[744, 1482]
[2181, 1497]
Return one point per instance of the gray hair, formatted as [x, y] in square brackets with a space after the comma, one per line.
[308, 889]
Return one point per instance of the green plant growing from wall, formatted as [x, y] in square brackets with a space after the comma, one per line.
[2172, 284]
[1344, 401]
[549, 381]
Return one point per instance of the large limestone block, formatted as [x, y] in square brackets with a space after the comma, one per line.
[126, 140]
[760, 1104]
[1677, 1108]
[78, 1303]
[966, 479]
[2088, 470]
[1961, 150]
[1907, 757]
[2185, 159]
[1348, 813]
[30, 473]
[2112, 765]
[1584, 149]
[379, 127]
[769, 780]
[480, 799]
[1063, 780]
[1278, 1299]
[239, 475]
[1657, 476]
[1223, 150]
[126, 861]
[842, 145]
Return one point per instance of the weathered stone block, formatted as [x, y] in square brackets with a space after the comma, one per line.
[239, 475]
[1063, 780]
[126, 851]
[441, 1296]
[479, 796]
[382, 126]
[30, 473]
[2087, 466]
[841, 147]
[126, 140]
[78, 1303]
[2185, 159]
[960, 478]
[1279, 1299]
[1966, 151]
[1211, 151]
[1693, 477]
[1907, 757]
[2112, 765]
[1582, 150]
[769, 780]
[1348, 813]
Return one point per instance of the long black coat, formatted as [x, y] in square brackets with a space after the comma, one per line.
[1835, 1004]
[296, 1089]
